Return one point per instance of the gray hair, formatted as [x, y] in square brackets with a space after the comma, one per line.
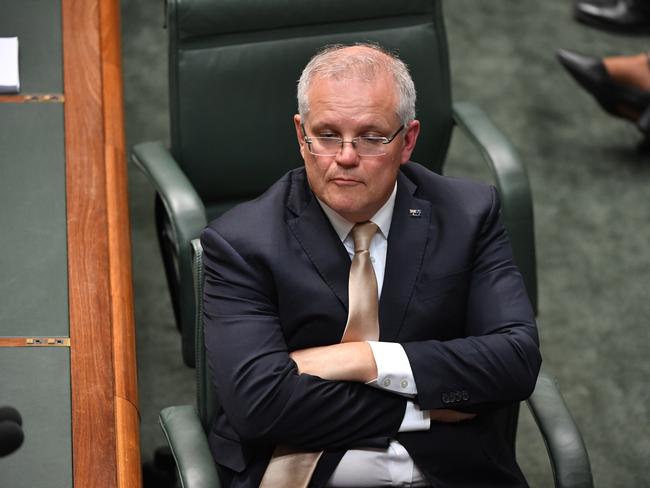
[330, 62]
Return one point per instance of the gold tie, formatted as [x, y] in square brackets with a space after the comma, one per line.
[363, 308]
[293, 469]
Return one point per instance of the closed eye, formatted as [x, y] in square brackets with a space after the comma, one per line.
[373, 139]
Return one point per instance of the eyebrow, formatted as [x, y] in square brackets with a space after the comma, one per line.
[370, 127]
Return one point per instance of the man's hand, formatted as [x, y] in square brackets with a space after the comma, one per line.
[449, 416]
[348, 361]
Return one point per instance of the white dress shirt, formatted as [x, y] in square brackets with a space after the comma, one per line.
[393, 465]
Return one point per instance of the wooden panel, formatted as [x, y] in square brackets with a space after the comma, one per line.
[93, 405]
[124, 360]
[104, 388]
[128, 445]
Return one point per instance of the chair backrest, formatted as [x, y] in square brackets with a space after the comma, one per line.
[233, 68]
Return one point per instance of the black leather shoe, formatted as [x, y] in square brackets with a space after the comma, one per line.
[626, 16]
[619, 100]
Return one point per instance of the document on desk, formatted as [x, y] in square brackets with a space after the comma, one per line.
[9, 79]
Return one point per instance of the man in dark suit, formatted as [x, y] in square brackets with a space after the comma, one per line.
[424, 404]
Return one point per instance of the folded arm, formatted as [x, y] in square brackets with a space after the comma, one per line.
[497, 359]
[257, 382]
[496, 363]
[355, 361]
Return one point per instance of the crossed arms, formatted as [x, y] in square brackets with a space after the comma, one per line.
[355, 361]
[315, 398]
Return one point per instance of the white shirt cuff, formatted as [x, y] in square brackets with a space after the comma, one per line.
[393, 369]
[414, 418]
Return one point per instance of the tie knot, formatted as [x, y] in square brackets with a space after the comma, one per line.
[362, 235]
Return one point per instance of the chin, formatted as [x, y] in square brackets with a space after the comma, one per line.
[348, 207]
[342, 205]
[353, 214]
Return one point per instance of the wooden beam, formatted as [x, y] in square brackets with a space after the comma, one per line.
[103, 379]
[119, 242]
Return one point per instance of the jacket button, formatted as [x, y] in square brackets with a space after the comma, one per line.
[465, 395]
[445, 398]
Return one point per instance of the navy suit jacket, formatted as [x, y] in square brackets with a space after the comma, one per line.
[276, 281]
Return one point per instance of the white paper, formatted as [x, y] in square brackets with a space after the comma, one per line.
[9, 80]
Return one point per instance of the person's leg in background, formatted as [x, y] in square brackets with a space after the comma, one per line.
[620, 84]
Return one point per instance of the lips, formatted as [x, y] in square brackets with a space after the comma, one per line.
[343, 181]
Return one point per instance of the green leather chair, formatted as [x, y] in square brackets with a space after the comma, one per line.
[186, 426]
[233, 66]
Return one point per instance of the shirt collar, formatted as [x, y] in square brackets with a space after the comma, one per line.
[382, 218]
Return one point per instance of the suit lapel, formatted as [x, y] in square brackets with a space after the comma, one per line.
[407, 241]
[406, 244]
[318, 239]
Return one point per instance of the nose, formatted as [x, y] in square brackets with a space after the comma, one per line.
[347, 155]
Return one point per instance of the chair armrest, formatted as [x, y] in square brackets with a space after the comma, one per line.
[512, 182]
[566, 449]
[189, 446]
[183, 205]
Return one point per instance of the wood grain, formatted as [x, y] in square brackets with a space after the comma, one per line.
[104, 389]
[128, 446]
[119, 242]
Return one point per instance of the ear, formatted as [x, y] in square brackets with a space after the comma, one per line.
[297, 121]
[410, 138]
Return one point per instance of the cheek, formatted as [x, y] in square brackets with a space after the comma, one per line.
[315, 173]
[383, 176]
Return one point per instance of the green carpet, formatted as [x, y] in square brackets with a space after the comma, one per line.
[589, 186]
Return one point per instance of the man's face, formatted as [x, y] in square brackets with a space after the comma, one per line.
[354, 186]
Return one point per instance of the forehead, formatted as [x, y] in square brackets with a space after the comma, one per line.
[353, 98]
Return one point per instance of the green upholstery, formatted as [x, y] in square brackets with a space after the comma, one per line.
[564, 444]
[185, 426]
[233, 66]
[36, 381]
[32, 194]
[189, 445]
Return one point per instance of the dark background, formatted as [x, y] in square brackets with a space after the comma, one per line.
[590, 190]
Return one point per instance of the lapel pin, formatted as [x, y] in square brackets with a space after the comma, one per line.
[415, 212]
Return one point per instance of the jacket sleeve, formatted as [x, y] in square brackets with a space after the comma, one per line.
[257, 383]
[497, 359]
